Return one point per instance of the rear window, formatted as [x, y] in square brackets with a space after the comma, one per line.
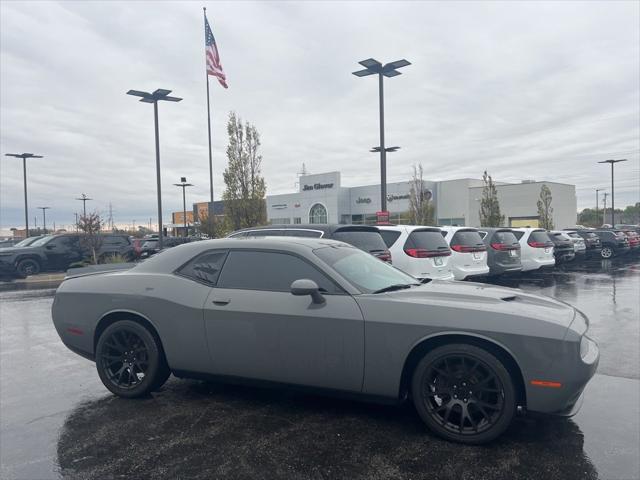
[265, 233]
[389, 237]
[426, 239]
[468, 238]
[367, 240]
[505, 237]
[539, 236]
[574, 235]
[302, 233]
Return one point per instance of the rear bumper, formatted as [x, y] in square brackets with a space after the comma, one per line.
[463, 273]
[530, 264]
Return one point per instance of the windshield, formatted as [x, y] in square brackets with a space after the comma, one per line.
[362, 270]
[41, 241]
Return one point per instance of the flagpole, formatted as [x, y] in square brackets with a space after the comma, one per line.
[209, 128]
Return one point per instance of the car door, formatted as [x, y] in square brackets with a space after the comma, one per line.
[257, 329]
[62, 251]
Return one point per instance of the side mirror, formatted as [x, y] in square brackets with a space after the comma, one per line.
[304, 286]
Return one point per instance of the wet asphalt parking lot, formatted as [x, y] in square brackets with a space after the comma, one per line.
[58, 421]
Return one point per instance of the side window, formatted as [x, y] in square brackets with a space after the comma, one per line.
[265, 233]
[518, 234]
[482, 234]
[271, 271]
[389, 237]
[205, 267]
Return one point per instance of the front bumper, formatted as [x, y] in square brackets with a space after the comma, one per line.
[7, 268]
[573, 377]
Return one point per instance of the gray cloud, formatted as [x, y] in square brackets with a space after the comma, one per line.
[526, 90]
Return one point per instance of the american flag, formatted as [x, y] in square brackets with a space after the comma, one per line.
[214, 67]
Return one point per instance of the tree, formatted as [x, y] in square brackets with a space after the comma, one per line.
[421, 209]
[91, 241]
[490, 215]
[244, 196]
[545, 210]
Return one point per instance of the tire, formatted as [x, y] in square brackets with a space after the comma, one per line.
[606, 252]
[464, 394]
[130, 360]
[28, 266]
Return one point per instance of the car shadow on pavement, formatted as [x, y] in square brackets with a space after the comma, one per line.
[194, 429]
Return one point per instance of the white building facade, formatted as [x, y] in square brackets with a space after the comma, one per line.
[321, 198]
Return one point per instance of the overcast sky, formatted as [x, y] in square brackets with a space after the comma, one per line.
[539, 90]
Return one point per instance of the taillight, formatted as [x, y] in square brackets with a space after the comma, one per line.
[540, 244]
[467, 249]
[503, 247]
[424, 253]
[384, 256]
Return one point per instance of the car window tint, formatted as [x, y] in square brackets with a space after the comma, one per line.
[469, 238]
[426, 239]
[367, 240]
[520, 234]
[271, 271]
[389, 237]
[539, 236]
[205, 267]
[505, 237]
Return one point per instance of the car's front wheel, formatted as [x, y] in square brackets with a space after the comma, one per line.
[464, 393]
[606, 252]
[130, 360]
[28, 266]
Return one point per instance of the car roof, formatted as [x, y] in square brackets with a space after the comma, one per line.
[172, 258]
[494, 229]
[326, 228]
[449, 228]
[408, 228]
[528, 229]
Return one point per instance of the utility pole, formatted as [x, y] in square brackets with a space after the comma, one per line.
[44, 218]
[183, 183]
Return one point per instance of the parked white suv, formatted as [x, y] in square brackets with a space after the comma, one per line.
[419, 251]
[468, 252]
[536, 248]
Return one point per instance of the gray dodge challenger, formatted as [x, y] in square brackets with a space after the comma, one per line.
[324, 315]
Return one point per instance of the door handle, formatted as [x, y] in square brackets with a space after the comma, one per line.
[221, 301]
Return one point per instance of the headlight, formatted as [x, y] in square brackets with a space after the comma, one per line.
[588, 350]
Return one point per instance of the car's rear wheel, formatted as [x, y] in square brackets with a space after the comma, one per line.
[130, 360]
[606, 252]
[28, 266]
[464, 393]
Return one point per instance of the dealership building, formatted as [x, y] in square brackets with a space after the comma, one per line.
[321, 198]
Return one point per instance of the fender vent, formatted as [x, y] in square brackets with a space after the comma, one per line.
[509, 299]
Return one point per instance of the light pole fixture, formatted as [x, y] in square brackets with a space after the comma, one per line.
[159, 95]
[24, 157]
[44, 218]
[597, 190]
[183, 183]
[371, 67]
[84, 199]
[612, 162]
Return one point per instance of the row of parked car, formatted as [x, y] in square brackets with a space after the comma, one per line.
[465, 252]
[51, 253]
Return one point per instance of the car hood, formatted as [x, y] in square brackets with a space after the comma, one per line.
[479, 296]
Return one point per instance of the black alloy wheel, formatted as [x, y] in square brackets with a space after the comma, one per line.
[130, 360]
[464, 393]
[27, 267]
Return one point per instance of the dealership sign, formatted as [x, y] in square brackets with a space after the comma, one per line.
[363, 200]
[317, 186]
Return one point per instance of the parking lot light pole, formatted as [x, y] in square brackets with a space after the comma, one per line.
[44, 218]
[612, 162]
[159, 95]
[24, 157]
[183, 183]
[84, 199]
[597, 190]
[371, 67]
